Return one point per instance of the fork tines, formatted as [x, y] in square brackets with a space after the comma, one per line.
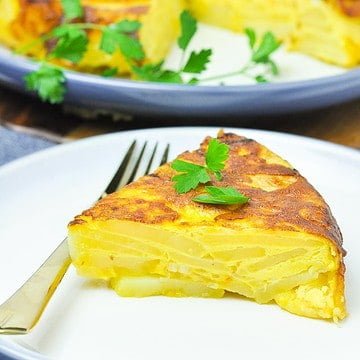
[131, 165]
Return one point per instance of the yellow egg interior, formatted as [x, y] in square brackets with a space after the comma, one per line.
[144, 260]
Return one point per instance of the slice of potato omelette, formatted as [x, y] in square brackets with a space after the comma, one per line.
[283, 245]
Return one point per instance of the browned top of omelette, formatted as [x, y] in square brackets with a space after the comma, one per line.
[39, 17]
[280, 197]
[349, 8]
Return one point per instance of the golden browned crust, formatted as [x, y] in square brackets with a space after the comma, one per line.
[295, 206]
[350, 8]
[103, 15]
[36, 18]
[138, 210]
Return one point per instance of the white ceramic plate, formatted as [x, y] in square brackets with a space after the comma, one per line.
[231, 52]
[41, 193]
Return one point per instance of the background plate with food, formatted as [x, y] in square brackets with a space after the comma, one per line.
[184, 57]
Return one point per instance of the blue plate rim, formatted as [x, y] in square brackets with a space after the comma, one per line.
[29, 64]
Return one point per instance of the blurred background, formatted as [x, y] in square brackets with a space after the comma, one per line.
[34, 124]
[326, 45]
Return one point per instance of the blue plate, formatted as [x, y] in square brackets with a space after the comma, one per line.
[155, 99]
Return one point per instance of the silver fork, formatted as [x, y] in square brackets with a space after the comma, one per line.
[21, 312]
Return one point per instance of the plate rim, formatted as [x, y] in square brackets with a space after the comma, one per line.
[16, 351]
[58, 148]
[346, 150]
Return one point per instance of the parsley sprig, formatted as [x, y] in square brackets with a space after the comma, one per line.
[118, 36]
[49, 82]
[71, 43]
[192, 175]
[221, 196]
[72, 9]
[193, 64]
[260, 65]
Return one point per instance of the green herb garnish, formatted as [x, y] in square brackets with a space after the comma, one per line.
[155, 73]
[49, 82]
[250, 33]
[216, 155]
[198, 60]
[72, 9]
[110, 72]
[192, 175]
[127, 26]
[118, 36]
[71, 43]
[195, 64]
[260, 65]
[221, 196]
[188, 29]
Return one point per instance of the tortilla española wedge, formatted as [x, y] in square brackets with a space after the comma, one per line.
[284, 245]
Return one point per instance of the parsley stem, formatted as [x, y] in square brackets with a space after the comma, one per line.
[182, 60]
[243, 71]
[51, 35]
[88, 26]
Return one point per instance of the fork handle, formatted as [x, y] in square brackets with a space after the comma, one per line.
[20, 313]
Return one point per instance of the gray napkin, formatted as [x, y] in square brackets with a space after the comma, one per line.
[14, 145]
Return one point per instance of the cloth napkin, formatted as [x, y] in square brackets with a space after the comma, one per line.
[14, 145]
